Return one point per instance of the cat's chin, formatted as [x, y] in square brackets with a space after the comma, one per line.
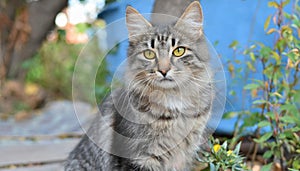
[166, 83]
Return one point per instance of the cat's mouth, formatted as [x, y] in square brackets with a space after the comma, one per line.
[166, 83]
[166, 79]
[165, 118]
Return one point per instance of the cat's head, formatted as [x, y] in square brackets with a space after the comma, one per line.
[167, 56]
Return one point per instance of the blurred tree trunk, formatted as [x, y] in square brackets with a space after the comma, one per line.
[23, 27]
[169, 7]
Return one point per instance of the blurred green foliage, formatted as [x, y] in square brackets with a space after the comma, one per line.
[275, 112]
[53, 66]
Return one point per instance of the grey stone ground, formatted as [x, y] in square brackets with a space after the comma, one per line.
[42, 142]
[56, 118]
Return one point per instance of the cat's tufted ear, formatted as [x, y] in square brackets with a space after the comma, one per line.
[136, 23]
[191, 21]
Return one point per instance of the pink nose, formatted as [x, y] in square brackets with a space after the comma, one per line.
[163, 72]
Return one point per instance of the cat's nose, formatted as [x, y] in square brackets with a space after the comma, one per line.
[164, 66]
[163, 72]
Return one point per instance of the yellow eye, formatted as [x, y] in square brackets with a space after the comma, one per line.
[179, 51]
[149, 54]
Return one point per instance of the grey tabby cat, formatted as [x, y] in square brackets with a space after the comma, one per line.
[157, 120]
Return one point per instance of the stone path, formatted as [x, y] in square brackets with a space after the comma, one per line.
[46, 153]
[43, 142]
[48, 167]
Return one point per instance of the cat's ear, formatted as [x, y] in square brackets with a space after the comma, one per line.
[191, 21]
[136, 23]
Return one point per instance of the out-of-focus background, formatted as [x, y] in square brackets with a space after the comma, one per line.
[41, 41]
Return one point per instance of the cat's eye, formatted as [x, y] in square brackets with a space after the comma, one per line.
[149, 54]
[179, 51]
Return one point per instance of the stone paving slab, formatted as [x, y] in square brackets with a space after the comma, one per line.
[57, 117]
[43, 142]
[36, 152]
[48, 167]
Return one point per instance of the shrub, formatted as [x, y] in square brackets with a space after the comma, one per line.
[276, 96]
[220, 158]
[53, 67]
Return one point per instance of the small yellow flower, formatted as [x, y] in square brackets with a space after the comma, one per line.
[229, 152]
[216, 147]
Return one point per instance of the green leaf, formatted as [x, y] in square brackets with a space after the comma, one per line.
[237, 61]
[250, 120]
[288, 119]
[291, 169]
[229, 115]
[237, 148]
[250, 66]
[232, 93]
[273, 4]
[297, 96]
[234, 44]
[276, 94]
[296, 164]
[265, 51]
[295, 129]
[260, 82]
[264, 138]
[251, 86]
[282, 136]
[260, 102]
[216, 43]
[224, 145]
[268, 154]
[289, 108]
[293, 56]
[252, 56]
[287, 15]
[263, 124]
[280, 45]
[266, 167]
[271, 115]
[276, 56]
[268, 71]
[267, 22]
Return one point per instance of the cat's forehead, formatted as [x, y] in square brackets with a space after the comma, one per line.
[163, 35]
[162, 32]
